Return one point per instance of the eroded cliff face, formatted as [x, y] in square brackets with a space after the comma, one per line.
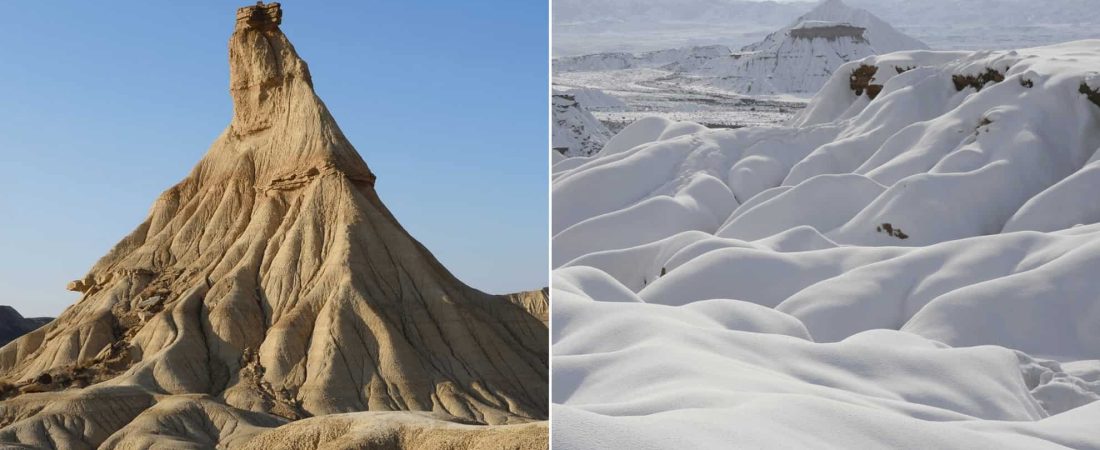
[272, 284]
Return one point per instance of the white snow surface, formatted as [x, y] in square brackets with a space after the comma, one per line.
[912, 271]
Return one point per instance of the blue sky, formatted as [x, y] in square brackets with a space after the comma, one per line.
[102, 108]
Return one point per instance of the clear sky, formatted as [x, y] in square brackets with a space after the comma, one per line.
[104, 107]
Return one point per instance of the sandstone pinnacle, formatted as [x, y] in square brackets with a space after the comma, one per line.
[271, 285]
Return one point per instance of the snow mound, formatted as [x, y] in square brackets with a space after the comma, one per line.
[908, 263]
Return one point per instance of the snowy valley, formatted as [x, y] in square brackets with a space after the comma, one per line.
[908, 262]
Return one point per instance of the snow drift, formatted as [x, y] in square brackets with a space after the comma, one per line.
[908, 264]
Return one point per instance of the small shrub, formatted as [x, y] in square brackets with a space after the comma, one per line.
[873, 90]
[860, 81]
[977, 81]
[892, 231]
[1092, 94]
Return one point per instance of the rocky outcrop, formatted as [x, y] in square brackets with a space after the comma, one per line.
[270, 285]
[575, 132]
[828, 31]
[535, 302]
[13, 324]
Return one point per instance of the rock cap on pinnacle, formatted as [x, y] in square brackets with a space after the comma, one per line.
[261, 15]
[279, 125]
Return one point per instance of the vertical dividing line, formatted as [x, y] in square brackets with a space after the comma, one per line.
[550, 217]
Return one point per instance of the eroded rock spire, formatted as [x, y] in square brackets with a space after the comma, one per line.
[271, 284]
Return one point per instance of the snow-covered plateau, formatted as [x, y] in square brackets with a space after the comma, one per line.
[910, 262]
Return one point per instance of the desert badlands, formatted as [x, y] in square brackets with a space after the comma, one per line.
[271, 301]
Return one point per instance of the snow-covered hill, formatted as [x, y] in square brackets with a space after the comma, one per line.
[575, 132]
[883, 37]
[798, 61]
[585, 27]
[910, 263]
[798, 58]
[761, 84]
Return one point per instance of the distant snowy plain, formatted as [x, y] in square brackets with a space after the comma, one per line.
[761, 84]
[667, 27]
[916, 270]
[584, 27]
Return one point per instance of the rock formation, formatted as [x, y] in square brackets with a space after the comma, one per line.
[13, 324]
[575, 132]
[827, 30]
[272, 285]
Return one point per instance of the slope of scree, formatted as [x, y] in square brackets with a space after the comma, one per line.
[909, 266]
[270, 285]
